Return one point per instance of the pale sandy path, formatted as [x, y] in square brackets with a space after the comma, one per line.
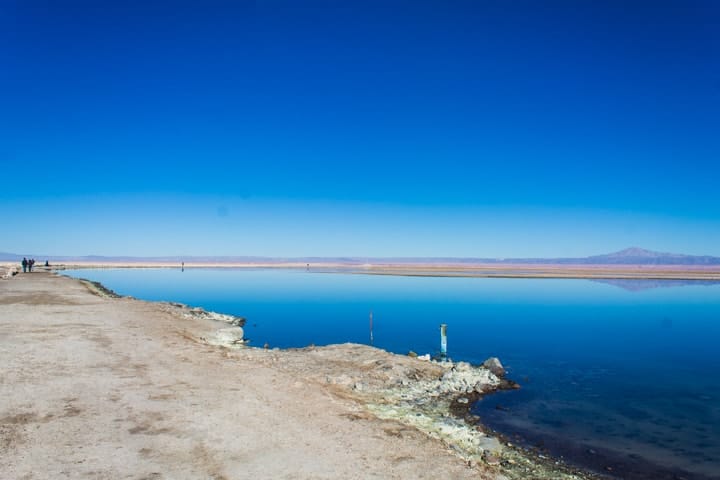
[93, 387]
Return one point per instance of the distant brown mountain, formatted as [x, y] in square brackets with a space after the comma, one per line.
[628, 256]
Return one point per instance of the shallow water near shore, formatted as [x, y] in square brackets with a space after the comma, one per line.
[609, 370]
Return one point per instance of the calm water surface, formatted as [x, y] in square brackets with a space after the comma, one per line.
[620, 371]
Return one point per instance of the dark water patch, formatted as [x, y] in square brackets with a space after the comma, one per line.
[505, 414]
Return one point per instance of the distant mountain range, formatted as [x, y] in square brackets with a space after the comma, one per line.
[639, 256]
[629, 256]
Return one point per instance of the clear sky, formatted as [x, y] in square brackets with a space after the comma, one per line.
[363, 128]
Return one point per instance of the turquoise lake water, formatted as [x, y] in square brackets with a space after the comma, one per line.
[619, 375]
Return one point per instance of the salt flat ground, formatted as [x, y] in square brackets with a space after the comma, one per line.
[95, 387]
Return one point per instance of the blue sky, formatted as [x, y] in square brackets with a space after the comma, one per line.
[453, 128]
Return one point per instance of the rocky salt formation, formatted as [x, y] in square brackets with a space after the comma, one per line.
[440, 408]
[493, 364]
[427, 406]
[230, 337]
[197, 312]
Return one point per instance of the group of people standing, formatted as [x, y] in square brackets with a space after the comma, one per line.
[28, 264]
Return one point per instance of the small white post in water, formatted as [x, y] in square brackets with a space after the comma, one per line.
[443, 340]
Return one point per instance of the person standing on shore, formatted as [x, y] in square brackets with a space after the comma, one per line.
[31, 263]
[24, 264]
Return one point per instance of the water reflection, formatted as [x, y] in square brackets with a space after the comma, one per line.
[637, 285]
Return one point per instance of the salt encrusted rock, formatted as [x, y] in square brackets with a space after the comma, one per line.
[228, 336]
[464, 378]
[198, 312]
[493, 364]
